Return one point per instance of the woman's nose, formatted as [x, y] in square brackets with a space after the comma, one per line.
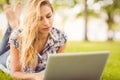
[46, 21]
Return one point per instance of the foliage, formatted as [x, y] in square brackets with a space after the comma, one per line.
[112, 10]
[90, 13]
[65, 3]
[3, 2]
[57, 4]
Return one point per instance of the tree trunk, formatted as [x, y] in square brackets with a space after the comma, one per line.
[86, 19]
[110, 30]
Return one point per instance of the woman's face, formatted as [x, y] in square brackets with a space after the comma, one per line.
[46, 19]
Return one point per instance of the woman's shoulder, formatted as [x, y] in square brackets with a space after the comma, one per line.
[57, 32]
[14, 37]
[58, 35]
[15, 33]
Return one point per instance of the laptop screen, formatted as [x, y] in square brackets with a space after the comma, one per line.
[76, 66]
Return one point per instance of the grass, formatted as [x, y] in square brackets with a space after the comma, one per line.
[112, 69]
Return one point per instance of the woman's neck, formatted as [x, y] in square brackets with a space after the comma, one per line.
[42, 36]
[41, 41]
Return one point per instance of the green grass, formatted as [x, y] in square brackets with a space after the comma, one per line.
[112, 69]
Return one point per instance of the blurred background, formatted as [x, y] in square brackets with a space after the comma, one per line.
[92, 20]
[91, 25]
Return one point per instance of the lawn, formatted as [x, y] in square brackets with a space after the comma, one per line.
[112, 69]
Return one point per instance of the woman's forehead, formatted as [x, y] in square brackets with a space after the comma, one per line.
[45, 9]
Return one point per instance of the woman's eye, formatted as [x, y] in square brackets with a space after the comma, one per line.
[48, 16]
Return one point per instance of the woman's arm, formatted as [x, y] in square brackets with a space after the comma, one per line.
[61, 49]
[16, 67]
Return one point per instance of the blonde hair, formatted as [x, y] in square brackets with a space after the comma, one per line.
[30, 33]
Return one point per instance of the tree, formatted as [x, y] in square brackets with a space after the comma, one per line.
[71, 3]
[111, 11]
[86, 18]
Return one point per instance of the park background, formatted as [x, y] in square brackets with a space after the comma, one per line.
[91, 25]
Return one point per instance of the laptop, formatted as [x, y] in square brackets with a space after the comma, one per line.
[76, 66]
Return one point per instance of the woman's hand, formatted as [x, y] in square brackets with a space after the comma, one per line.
[38, 76]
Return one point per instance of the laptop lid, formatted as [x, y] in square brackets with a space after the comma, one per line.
[76, 66]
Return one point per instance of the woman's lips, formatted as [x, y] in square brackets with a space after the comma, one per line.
[46, 28]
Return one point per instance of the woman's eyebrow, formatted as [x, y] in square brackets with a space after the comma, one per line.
[48, 13]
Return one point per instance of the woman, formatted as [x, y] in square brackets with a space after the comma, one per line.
[31, 44]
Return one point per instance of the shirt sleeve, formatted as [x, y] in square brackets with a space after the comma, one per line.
[63, 38]
[14, 38]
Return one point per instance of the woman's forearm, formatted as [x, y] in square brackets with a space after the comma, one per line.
[27, 76]
[21, 75]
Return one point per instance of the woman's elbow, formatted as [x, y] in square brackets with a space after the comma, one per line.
[13, 74]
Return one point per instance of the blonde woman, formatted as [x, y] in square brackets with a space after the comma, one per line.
[34, 41]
